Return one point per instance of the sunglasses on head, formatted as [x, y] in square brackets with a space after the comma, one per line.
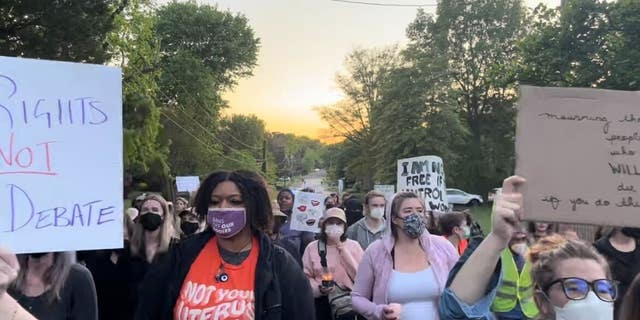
[578, 288]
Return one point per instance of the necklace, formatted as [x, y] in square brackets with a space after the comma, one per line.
[222, 275]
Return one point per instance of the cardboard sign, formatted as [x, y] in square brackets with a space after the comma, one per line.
[61, 166]
[308, 208]
[579, 150]
[425, 177]
[187, 183]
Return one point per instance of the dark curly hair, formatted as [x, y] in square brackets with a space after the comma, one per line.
[253, 190]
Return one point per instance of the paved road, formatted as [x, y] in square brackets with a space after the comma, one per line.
[314, 181]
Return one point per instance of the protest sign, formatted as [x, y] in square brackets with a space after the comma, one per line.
[308, 208]
[187, 183]
[388, 190]
[61, 167]
[385, 188]
[579, 150]
[424, 176]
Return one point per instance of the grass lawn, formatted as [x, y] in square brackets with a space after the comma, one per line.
[482, 214]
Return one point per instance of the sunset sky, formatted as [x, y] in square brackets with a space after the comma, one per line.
[303, 44]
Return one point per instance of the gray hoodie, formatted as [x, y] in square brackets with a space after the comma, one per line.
[360, 233]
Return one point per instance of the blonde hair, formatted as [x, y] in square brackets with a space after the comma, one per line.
[54, 277]
[167, 231]
[551, 250]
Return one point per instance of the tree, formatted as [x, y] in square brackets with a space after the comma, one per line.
[352, 119]
[243, 132]
[470, 47]
[623, 61]
[133, 46]
[58, 30]
[293, 155]
[416, 121]
[566, 47]
[203, 51]
[586, 44]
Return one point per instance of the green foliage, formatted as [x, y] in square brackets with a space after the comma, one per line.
[134, 46]
[203, 51]
[293, 155]
[58, 30]
[368, 72]
[451, 94]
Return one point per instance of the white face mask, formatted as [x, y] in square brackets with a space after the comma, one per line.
[334, 231]
[377, 213]
[590, 307]
[467, 231]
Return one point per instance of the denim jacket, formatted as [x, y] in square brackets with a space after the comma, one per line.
[452, 308]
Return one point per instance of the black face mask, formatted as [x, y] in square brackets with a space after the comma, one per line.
[631, 232]
[37, 255]
[189, 228]
[151, 221]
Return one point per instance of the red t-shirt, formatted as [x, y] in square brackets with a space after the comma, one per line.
[203, 297]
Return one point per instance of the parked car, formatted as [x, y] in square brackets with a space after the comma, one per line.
[459, 197]
[492, 194]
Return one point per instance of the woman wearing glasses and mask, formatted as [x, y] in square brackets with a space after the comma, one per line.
[232, 270]
[571, 280]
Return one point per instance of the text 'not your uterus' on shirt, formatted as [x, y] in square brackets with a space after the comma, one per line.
[200, 301]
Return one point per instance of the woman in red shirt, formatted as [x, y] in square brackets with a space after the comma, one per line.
[232, 270]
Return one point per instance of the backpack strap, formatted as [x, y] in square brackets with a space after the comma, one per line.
[322, 252]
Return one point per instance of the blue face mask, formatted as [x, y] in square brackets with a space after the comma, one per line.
[413, 225]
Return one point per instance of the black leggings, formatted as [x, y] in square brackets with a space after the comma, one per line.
[323, 311]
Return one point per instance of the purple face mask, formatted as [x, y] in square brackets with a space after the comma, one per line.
[227, 222]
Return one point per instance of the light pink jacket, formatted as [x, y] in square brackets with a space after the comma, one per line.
[342, 265]
[372, 280]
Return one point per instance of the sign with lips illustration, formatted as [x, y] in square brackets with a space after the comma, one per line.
[307, 211]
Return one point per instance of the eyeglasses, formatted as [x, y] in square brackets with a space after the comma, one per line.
[578, 288]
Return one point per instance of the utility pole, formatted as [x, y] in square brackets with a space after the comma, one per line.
[264, 156]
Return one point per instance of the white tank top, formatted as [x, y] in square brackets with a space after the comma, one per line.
[417, 292]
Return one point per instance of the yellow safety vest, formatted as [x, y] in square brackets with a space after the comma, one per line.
[515, 288]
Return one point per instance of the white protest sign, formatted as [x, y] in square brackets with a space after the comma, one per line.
[425, 177]
[61, 170]
[187, 183]
[308, 208]
[387, 189]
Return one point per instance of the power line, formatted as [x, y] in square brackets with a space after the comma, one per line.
[200, 106]
[206, 145]
[380, 4]
[181, 108]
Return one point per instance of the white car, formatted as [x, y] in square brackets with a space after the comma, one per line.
[459, 197]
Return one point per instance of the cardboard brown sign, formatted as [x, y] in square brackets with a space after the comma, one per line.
[579, 150]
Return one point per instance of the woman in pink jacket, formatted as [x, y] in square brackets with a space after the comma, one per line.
[403, 275]
[342, 257]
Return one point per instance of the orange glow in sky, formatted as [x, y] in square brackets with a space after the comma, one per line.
[303, 44]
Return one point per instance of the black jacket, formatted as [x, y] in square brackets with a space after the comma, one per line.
[282, 291]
